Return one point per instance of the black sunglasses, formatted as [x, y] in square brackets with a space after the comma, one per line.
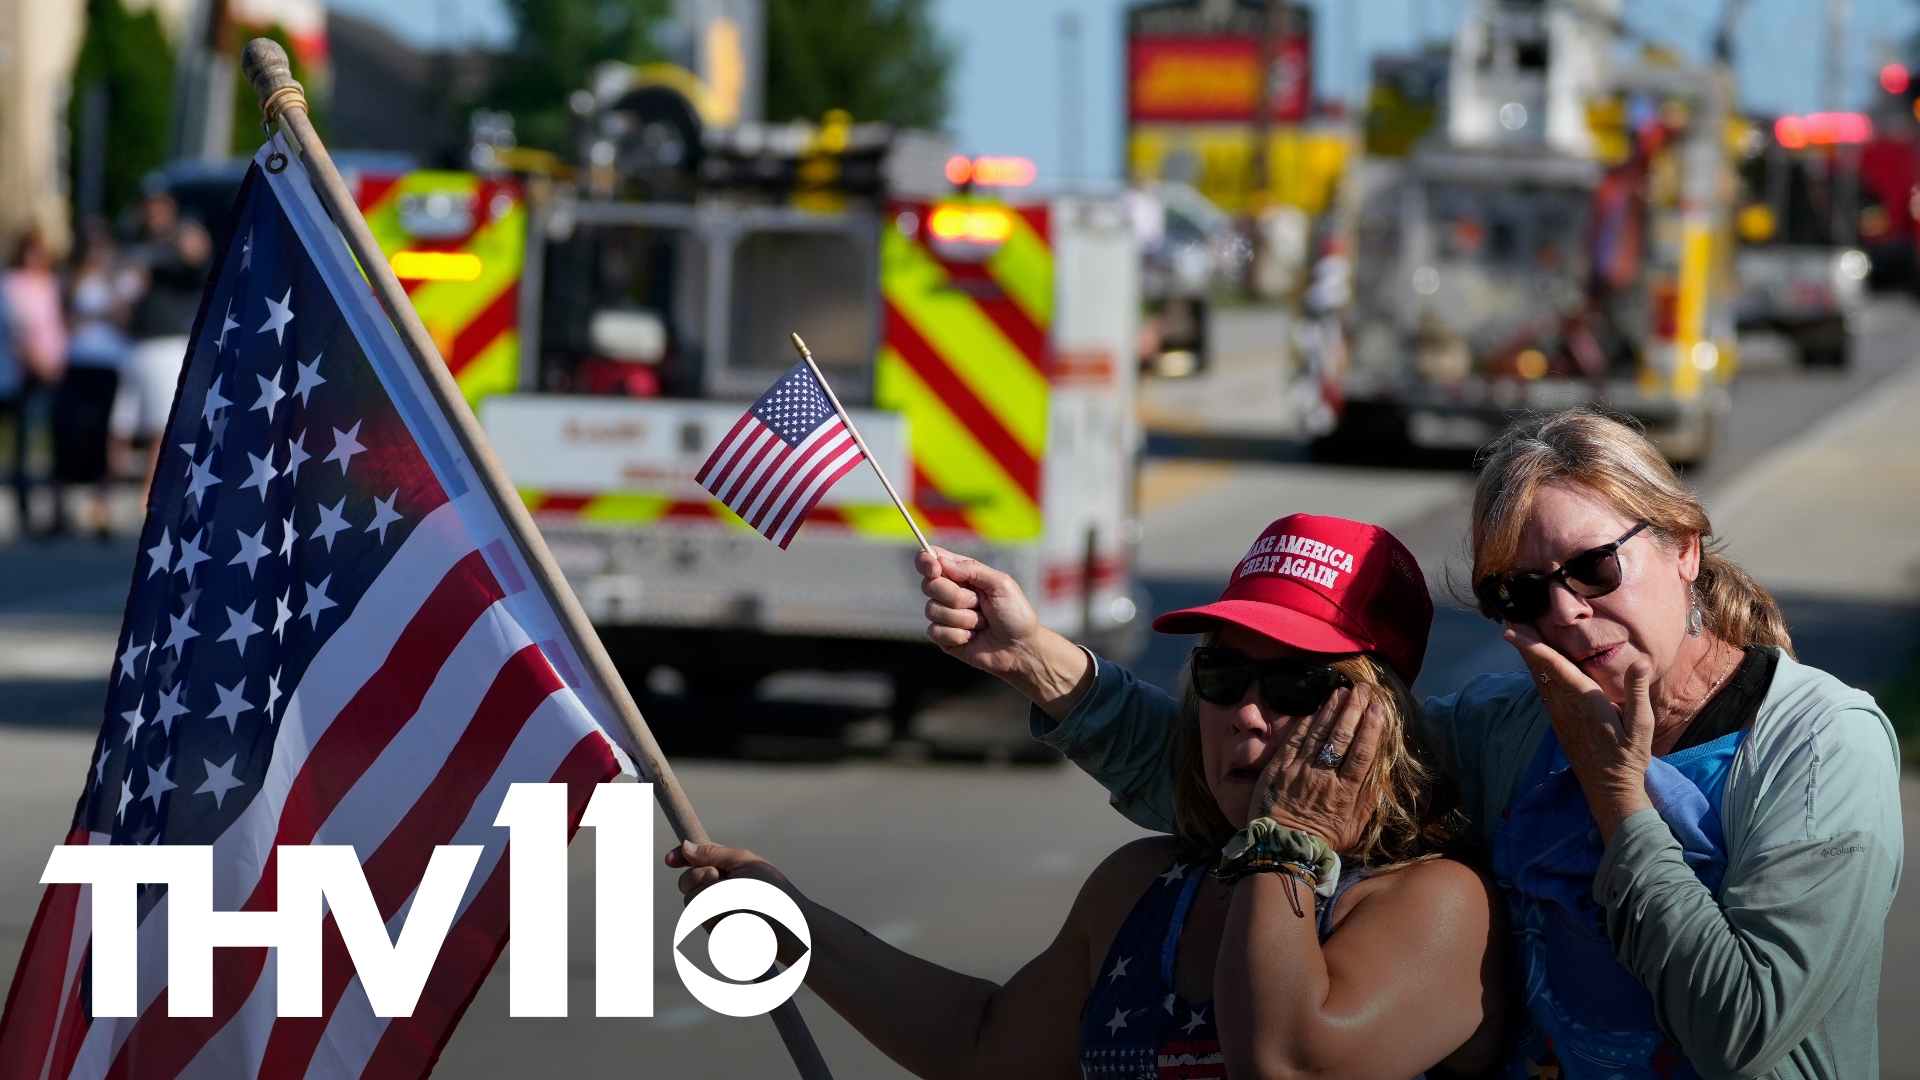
[1523, 598]
[1290, 687]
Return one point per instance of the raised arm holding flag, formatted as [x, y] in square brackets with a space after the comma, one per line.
[343, 629]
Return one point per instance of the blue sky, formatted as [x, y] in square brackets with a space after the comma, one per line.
[1008, 89]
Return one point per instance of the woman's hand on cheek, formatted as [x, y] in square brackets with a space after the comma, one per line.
[1299, 794]
[1609, 746]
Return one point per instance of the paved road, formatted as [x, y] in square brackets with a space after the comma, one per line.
[970, 865]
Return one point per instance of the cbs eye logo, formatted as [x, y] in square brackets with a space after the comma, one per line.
[742, 947]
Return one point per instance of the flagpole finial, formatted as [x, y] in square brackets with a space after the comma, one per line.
[802, 346]
[271, 73]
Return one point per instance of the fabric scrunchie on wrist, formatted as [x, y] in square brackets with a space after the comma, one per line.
[1266, 846]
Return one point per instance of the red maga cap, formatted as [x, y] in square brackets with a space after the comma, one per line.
[1325, 585]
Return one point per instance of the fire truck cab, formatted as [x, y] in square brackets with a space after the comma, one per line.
[982, 345]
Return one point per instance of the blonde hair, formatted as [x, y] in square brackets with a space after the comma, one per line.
[1608, 456]
[1415, 801]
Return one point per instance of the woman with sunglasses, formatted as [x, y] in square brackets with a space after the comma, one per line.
[1301, 920]
[1697, 837]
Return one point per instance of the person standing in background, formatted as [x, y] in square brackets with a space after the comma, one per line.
[174, 253]
[13, 384]
[40, 336]
[99, 301]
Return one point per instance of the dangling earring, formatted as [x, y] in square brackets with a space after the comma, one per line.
[1694, 622]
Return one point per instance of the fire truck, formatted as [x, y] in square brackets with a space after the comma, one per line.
[1562, 237]
[611, 325]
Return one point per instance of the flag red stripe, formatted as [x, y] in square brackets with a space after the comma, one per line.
[744, 501]
[757, 508]
[162, 1045]
[980, 421]
[834, 440]
[27, 1027]
[714, 459]
[728, 470]
[796, 520]
[728, 488]
[395, 868]
[411, 1045]
[73, 1027]
[823, 456]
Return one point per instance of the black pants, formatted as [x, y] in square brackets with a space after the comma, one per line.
[80, 410]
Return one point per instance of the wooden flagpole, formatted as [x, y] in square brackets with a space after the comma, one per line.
[807, 355]
[283, 100]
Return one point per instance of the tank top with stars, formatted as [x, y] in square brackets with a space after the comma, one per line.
[1135, 1025]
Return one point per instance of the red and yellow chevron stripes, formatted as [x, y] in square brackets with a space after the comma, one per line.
[965, 357]
[470, 306]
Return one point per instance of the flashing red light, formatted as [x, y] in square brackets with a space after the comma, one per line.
[990, 171]
[1822, 129]
[1894, 78]
[1003, 171]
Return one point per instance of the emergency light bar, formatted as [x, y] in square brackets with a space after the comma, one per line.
[1822, 129]
[990, 171]
[969, 224]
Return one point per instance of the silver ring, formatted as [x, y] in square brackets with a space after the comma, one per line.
[1544, 678]
[1328, 757]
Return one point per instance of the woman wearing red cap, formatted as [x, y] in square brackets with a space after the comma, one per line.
[1696, 837]
[1302, 918]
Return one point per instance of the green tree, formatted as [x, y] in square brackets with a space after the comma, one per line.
[556, 44]
[877, 59]
[126, 59]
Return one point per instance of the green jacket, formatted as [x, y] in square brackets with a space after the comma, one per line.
[1778, 976]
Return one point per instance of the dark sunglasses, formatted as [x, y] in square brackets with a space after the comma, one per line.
[1523, 598]
[1290, 687]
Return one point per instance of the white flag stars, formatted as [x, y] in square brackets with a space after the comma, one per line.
[219, 781]
[317, 602]
[331, 521]
[157, 783]
[296, 456]
[203, 479]
[240, 627]
[232, 704]
[226, 323]
[251, 549]
[126, 796]
[384, 514]
[134, 720]
[273, 693]
[129, 658]
[345, 445]
[278, 316]
[170, 708]
[178, 635]
[309, 378]
[282, 613]
[214, 401]
[270, 394]
[191, 556]
[246, 250]
[287, 537]
[161, 554]
[262, 473]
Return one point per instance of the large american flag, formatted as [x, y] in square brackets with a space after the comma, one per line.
[782, 456]
[330, 639]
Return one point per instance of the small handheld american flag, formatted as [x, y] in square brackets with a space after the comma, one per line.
[783, 455]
